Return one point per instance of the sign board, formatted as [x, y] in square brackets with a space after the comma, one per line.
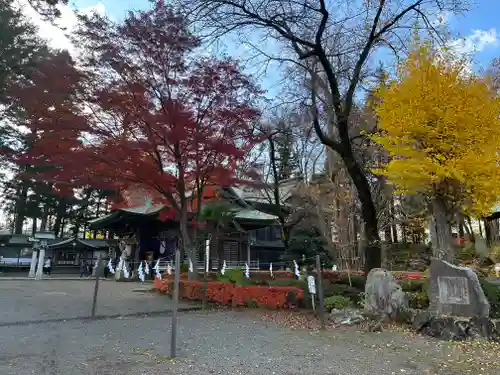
[453, 290]
[311, 284]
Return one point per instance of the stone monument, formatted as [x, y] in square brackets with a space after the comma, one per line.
[456, 291]
[34, 260]
[41, 260]
[383, 294]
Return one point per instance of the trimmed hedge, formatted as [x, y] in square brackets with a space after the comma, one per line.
[342, 277]
[226, 293]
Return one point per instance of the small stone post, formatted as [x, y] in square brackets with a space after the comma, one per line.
[33, 263]
[39, 270]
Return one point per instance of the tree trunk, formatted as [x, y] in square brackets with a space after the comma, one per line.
[187, 244]
[285, 237]
[372, 249]
[461, 230]
[45, 218]
[60, 211]
[277, 196]
[387, 233]
[404, 232]
[393, 221]
[442, 244]
[494, 229]
[21, 208]
[471, 231]
[61, 231]
[33, 228]
[97, 214]
[487, 232]
[467, 230]
[219, 248]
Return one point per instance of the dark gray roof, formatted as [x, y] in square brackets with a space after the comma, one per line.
[97, 244]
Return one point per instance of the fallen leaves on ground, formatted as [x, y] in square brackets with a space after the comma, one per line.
[291, 319]
[480, 357]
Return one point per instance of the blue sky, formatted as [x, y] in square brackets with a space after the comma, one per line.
[478, 28]
[483, 16]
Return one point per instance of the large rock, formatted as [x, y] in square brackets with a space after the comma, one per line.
[383, 295]
[456, 328]
[456, 291]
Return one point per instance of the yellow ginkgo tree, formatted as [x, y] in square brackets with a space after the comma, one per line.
[440, 125]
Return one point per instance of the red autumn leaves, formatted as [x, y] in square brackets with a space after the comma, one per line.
[225, 293]
[141, 108]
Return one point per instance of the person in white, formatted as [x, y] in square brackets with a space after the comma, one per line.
[47, 267]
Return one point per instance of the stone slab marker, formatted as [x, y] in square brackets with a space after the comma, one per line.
[34, 259]
[383, 294]
[456, 291]
[39, 269]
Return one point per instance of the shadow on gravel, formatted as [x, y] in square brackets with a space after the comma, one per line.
[99, 317]
[36, 302]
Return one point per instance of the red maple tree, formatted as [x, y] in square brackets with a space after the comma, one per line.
[147, 110]
[46, 103]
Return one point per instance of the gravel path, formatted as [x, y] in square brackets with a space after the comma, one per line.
[211, 343]
[218, 342]
[29, 300]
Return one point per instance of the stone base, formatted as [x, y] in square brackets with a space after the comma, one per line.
[456, 328]
[346, 317]
[119, 275]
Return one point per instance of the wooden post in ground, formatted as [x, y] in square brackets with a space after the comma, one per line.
[173, 338]
[96, 286]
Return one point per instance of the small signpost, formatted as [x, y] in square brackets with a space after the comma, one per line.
[311, 284]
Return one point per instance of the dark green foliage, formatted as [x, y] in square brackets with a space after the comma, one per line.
[418, 300]
[337, 302]
[220, 213]
[356, 281]
[184, 268]
[340, 291]
[47, 8]
[408, 256]
[287, 161]
[492, 293]
[351, 292]
[307, 242]
[21, 48]
[466, 253]
[235, 276]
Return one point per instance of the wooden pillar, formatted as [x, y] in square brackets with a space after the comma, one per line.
[249, 258]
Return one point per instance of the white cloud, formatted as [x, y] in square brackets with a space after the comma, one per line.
[56, 34]
[478, 41]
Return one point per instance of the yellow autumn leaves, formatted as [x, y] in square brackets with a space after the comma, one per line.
[440, 125]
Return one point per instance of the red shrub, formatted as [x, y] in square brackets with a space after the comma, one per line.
[225, 293]
[272, 297]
